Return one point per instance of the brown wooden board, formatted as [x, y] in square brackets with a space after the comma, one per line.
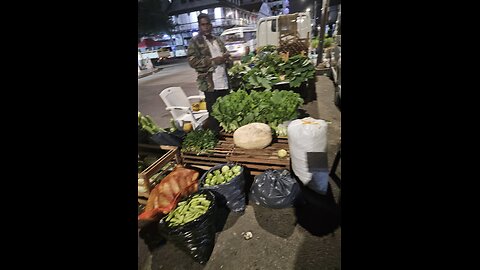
[215, 156]
[229, 137]
[259, 160]
[256, 160]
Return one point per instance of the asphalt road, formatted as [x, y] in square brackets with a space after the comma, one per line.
[177, 73]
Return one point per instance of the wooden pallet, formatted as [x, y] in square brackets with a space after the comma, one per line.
[214, 157]
[255, 160]
[259, 160]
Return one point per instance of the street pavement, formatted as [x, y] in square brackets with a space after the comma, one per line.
[145, 72]
[306, 237]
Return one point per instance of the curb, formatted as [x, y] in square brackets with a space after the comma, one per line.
[155, 70]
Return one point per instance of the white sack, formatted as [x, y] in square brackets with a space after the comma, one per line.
[307, 135]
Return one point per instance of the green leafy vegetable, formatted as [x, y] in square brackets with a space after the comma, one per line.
[199, 141]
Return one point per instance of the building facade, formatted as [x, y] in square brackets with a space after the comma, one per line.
[277, 7]
[224, 14]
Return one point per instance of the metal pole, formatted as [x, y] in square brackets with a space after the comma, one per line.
[315, 17]
[322, 31]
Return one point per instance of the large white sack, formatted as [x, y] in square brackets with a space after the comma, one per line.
[307, 135]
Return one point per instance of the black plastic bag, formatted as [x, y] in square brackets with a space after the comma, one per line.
[143, 135]
[232, 193]
[274, 189]
[151, 236]
[197, 237]
[168, 138]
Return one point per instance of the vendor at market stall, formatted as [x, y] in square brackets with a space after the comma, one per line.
[209, 57]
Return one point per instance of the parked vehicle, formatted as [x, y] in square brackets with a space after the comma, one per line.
[270, 30]
[166, 52]
[157, 56]
[239, 41]
[180, 51]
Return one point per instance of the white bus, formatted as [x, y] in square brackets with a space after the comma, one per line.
[240, 41]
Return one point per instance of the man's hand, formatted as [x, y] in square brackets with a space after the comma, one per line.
[218, 60]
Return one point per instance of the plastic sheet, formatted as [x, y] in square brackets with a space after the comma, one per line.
[232, 193]
[196, 238]
[274, 189]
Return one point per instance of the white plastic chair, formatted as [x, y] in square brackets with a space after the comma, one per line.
[180, 106]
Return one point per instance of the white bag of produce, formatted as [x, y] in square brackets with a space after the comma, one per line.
[307, 140]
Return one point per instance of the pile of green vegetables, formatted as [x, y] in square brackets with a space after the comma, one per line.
[222, 176]
[199, 141]
[188, 210]
[270, 67]
[270, 107]
[146, 123]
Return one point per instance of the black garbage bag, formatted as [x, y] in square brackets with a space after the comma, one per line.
[275, 189]
[151, 236]
[143, 135]
[174, 138]
[232, 193]
[196, 238]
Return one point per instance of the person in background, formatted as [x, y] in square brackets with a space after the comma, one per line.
[208, 56]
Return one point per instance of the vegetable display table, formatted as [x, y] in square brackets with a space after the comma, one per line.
[255, 160]
[205, 161]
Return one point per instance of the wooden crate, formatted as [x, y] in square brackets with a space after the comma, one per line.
[255, 160]
[216, 156]
[163, 165]
[259, 160]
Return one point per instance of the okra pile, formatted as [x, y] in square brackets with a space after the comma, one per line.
[188, 210]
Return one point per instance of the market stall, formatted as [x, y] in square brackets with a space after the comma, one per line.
[199, 171]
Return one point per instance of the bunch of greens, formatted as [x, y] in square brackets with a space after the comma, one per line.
[327, 42]
[199, 141]
[268, 68]
[270, 107]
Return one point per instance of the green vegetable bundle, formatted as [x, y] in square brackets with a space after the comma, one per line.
[268, 68]
[270, 107]
[199, 141]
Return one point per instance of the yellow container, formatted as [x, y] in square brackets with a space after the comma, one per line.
[203, 105]
[196, 106]
[187, 126]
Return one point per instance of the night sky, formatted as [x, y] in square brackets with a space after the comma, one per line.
[302, 5]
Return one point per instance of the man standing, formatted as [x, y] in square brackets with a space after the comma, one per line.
[209, 57]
